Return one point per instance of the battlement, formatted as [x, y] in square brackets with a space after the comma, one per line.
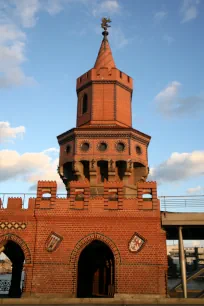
[81, 197]
[104, 74]
[14, 203]
[47, 184]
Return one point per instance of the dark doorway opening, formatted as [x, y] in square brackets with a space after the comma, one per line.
[121, 166]
[103, 166]
[96, 271]
[86, 169]
[14, 252]
[68, 172]
[139, 172]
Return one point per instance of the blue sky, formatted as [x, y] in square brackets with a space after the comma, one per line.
[46, 44]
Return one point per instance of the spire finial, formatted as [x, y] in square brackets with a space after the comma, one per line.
[105, 25]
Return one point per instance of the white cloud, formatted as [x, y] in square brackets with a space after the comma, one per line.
[108, 6]
[15, 15]
[169, 104]
[12, 55]
[7, 132]
[189, 10]
[179, 166]
[169, 39]
[195, 190]
[51, 150]
[30, 166]
[159, 16]
[54, 7]
[9, 32]
[26, 11]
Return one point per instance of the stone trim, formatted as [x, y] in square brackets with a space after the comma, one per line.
[97, 133]
[5, 225]
[104, 82]
[79, 247]
[94, 136]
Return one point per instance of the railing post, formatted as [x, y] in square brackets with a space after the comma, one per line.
[182, 262]
[3, 199]
[23, 200]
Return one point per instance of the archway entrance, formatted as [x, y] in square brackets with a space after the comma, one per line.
[14, 252]
[96, 271]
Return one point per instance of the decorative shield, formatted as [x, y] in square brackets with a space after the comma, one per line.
[53, 242]
[136, 243]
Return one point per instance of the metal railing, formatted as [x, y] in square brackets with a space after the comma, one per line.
[25, 197]
[188, 203]
[5, 285]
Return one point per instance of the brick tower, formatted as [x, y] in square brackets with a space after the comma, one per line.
[104, 146]
[104, 239]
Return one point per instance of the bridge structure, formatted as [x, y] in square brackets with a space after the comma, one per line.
[182, 217]
[107, 235]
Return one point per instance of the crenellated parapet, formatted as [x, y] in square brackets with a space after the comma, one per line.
[81, 198]
[46, 194]
[15, 203]
[79, 194]
[147, 195]
[103, 73]
[113, 195]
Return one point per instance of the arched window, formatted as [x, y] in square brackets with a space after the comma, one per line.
[85, 104]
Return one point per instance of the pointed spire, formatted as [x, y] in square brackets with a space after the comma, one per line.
[105, 57]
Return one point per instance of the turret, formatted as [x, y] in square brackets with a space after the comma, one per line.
[104, 146]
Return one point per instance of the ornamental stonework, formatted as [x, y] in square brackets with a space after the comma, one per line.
[136, 243]
[12, 225]
[53, 242]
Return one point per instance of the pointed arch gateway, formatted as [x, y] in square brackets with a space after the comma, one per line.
[94, 263]
[18, 240]
[18, 253]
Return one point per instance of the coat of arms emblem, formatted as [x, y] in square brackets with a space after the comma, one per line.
[136, 243]
[53, 242]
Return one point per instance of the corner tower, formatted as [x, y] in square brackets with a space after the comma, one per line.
[104, 146]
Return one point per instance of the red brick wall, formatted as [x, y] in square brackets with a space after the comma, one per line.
[56, 272]
[109, 96]
[123, 106]
[103, 102]
[84, 118]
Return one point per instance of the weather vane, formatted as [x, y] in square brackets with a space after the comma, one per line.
[105, 25]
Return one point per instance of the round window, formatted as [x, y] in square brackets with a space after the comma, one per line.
[138, 150]
[68, 149]
[85, 146]
[120, 146]
[102, 146]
